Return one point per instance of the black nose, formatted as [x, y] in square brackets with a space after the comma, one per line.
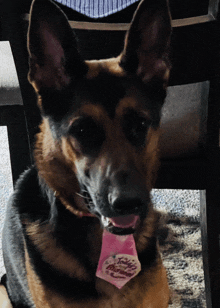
[127, 192]
[125, 206]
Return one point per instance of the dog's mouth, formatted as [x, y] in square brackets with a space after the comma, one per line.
[121, 225]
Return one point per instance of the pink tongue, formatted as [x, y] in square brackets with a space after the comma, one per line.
[118, 262]
[128, 221]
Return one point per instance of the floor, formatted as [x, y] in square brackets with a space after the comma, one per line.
[6, 186]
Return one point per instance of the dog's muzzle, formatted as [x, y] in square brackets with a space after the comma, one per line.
[118, 215]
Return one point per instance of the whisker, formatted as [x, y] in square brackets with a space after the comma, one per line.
[80, 195]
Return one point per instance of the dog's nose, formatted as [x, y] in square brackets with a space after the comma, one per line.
[127, 193]
[125, 205]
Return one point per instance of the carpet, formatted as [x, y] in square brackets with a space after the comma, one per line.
[180, 243]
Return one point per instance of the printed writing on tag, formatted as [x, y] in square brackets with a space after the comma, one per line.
[121, 267]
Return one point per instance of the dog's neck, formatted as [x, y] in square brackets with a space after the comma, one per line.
[74, 207]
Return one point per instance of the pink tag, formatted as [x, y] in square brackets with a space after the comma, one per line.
[118, 262]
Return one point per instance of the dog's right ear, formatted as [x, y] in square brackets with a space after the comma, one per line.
[54, 59]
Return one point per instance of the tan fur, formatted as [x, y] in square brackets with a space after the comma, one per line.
[152, 157]
[50, 160]
[109, 65]
[42, 237]
[4, 299]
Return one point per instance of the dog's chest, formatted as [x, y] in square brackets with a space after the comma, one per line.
[140, 292]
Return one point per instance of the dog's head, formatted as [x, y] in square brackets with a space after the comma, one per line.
[100, 129]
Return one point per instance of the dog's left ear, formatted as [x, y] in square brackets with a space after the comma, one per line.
[53, 56]
[147, 42]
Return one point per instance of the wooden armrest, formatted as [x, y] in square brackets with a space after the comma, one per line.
[99, 26]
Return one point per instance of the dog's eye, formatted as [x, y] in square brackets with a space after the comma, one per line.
[135, 128]
[88, 133]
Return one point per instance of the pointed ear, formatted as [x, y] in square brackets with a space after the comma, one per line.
[147, 42]
[53, 56]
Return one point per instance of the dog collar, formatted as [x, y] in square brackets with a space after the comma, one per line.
[83, 214]
[79, 213]
[73, 210]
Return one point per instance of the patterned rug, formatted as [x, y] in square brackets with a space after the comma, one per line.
[180, 242]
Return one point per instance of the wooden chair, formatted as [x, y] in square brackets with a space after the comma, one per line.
[12, 113]
[195, 57]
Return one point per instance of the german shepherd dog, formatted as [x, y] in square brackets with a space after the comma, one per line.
[96, 159]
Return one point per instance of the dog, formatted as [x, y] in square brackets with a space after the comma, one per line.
[96, 160]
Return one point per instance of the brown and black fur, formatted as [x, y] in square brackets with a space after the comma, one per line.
[96, 153]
